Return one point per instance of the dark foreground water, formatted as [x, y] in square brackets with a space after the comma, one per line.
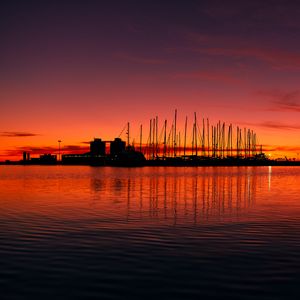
[153, 233]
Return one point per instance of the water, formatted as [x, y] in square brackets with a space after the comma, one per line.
[133, 233]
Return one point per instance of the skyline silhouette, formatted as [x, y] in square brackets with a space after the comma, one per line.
[76, 70]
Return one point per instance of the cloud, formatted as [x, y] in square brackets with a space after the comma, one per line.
[255, 14]
[280, 148]
[53, 149]
[275, 125]
[236, 47]
[282, 100]
[208, 75]
[276, 58]
[17, 134]
[36, 151]
[286, 148]
[140, 60]
[75, 148]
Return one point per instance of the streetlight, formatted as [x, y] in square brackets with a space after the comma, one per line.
[59, 141]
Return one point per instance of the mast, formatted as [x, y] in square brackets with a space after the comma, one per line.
[241, 142]
[207, 137]
[195, 125]
[171, 146]
[214, 140]
[150, 139]
[175, 123]
[165, 139]
[231, 133]
[228, 142]
[179, 151]
[223, 140]
[193, 139]
[156, 136]
[185, 128]
[128, 137]
[245, 142]
[219, 139]
[237, 142]
[153, 138]
[141, 137]
[203, 137]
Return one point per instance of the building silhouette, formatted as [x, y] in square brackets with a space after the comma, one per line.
[97, 147]
[117, 146]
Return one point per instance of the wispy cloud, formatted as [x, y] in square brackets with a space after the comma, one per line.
[282, 100]
[140, 60]
[255, 14]
[226, 77]
[75, 148]
[66, 149]
[54, 148]
[286, 148]
[276, 58]
[235, 47]
[17, 134]
[280, 148]
[274, 125]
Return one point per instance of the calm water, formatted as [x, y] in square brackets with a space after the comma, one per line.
[155, 233]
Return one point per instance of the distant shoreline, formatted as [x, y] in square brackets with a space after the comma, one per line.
[162, 163]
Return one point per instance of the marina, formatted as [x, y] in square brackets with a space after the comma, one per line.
[210, 145]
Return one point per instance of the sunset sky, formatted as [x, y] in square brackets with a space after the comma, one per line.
[75, 70]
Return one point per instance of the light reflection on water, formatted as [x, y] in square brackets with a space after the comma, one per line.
[181, 197]
[157, 232]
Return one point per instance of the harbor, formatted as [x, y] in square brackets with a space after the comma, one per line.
[205, 144]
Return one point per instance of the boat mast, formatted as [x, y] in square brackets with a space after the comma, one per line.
[175, 121]
[141, 137]
[237, 141]
[128, 136]
[207, 137]
[165, 139]
[153, 138]
[195, 126]
[185, 128]
[203, 137]
[156, 136]
[150, 139]
[179, 150]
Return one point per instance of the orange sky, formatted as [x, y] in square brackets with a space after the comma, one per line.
[75, 72]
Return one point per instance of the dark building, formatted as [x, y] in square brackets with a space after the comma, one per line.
[26, 156]
[117, 146]
[76, 159]
[48, 159]
[97, 147]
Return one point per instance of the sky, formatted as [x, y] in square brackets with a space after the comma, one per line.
[76, 70]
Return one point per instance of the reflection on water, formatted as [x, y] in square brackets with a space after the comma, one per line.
[182, 196]
[170, 233]
[269, 178]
